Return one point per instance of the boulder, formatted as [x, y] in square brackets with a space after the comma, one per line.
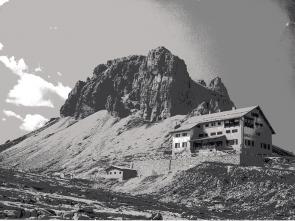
[79, 216]
[156, 216]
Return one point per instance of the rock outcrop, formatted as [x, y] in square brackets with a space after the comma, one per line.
[217, 86]
[157, 85]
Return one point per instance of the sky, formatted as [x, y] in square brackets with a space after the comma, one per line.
[47, 46]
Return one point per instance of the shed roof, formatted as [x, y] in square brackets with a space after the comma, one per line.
[224, 115]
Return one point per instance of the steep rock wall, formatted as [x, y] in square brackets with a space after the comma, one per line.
[157, 85]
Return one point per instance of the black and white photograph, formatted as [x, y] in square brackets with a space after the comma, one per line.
[147, 110]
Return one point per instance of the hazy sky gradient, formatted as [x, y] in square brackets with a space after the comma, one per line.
[246, 42]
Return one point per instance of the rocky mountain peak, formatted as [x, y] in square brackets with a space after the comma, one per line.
[157, 86]
[161, 50]
[217, 86]
[202, 82]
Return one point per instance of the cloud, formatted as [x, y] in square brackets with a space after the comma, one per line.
[1, 46]
[2, 2]
[31, 90]
[33, 122]
[17, 67]
[38, 69]
[9, 113]
[29, 123]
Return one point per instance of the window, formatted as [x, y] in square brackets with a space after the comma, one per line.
[184, 144]
[213, 124]
[177, 145]
[268, 146]
[219, 123]
[258, 124]
[206, 135]
[198, 126]
[234, 131]
[232, 142]
[258, 133]
[249, 122]
[254, 115]
[114, 172]
[226, 123]
[219, 132]
[206, 125]
[213, 134]
[232, 123]
[201, 135]
[177, 135]
[120, 172]
[184, 134]
[110, 173]
[249, 142]
[227, 131]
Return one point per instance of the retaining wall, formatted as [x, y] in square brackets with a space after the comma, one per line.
[251, 159]
[156, 167]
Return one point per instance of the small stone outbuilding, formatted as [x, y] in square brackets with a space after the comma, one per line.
[120, 173]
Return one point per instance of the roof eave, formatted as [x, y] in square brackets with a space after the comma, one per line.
[119, 168]
[271, 128]
[176, 131]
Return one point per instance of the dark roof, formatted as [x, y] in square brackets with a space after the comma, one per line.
[282, 151]
[119, 168]
[224, 115]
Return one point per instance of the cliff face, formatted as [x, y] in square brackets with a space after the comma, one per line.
[157, 86]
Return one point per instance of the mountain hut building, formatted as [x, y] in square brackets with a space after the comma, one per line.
[244, 131]
[120, 173]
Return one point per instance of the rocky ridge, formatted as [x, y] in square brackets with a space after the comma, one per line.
[157, 86]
